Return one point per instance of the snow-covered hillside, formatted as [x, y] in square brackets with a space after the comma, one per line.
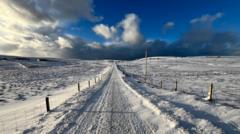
[194, 75]
[21, 78]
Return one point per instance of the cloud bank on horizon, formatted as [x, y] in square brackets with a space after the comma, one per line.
[38, 28]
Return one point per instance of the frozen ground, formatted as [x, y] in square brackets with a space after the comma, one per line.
[121, 103]
[23, 78]
[194, 75]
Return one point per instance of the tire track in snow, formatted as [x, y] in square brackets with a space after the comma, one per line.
[93, 116]
[108, 113]
[129, 118]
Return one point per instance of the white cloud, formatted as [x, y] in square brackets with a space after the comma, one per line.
[105, 31]
[31, 27]
[207, 18]
[63, 43]
[169, 25]
[131, 33]
[113, 42]
[95, 45]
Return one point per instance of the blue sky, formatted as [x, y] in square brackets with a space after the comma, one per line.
[155, 13]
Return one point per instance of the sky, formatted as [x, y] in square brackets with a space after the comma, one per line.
[119, 29]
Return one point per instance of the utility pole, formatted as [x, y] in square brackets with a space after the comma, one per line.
[146, 56]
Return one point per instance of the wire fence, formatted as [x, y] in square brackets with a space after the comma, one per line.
[193, 84]
[173, 84]
[18, 118]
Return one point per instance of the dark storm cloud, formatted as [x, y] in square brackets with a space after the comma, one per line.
[196, 42]
[120, 52]
[206, 42]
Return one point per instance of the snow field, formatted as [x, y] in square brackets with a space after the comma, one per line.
[15, 118]
[187, 106]
[123, 103]
[40, 78]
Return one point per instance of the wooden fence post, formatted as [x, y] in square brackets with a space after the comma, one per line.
[151, 81]
[176, 86]
[210, 92]
[47, 104]
[78, 87]
[95, 80]
[89, 84]
[161, 84]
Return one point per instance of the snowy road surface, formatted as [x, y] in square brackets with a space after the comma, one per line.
[109, 112]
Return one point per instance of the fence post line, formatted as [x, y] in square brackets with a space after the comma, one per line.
[210, 92]
[161, 84]
[78, 87]
[89, 84]
[152, 82]
[176, 86]
[47, 104]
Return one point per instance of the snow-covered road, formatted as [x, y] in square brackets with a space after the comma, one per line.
[109, 111]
